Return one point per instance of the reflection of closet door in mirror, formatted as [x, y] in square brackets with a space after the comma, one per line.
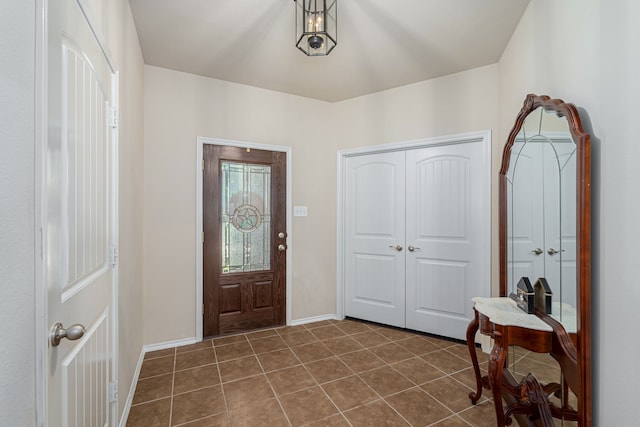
[541, 214]
[558, 155]
[525, 220]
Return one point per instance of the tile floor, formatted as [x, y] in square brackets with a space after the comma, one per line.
[329, 373]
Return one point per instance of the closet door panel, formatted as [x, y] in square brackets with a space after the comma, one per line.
[559, 213]
[527, 246]
[374, 229]
[444, 269]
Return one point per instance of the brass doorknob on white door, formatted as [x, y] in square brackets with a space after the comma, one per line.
[72, 333]
[412, 248]
[396, 247]
[282, 247]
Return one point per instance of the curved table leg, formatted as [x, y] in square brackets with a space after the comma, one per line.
[471, 344]
[496, 365]
[532, 400]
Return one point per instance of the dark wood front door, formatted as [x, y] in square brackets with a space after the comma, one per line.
[244, 249]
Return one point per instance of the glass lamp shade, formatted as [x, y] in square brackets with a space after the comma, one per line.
[316, 26]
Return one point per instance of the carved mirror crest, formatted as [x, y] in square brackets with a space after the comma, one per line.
[545, 232]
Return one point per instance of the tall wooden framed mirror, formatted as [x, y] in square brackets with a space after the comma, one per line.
[545, 231]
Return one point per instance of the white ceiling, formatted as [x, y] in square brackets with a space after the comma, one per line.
[381, 43]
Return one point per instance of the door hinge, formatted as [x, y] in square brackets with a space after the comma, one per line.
[203, 309]
[203, 165]
[113, 391]
[113, 120]
[113, 257]
[203, 237]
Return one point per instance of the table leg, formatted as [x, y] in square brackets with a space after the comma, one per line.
[496, 365]
[471, 344]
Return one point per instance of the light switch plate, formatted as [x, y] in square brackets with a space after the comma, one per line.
[299, 211]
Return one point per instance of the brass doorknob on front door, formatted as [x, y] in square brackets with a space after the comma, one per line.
[396, 247]
[282, 247]
[72, 333]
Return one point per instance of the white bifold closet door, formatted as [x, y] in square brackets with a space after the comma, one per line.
[414, 241]
[375, 222]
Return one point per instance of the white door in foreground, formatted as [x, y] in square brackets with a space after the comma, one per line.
[78, 220]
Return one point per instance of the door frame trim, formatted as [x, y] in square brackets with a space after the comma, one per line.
[41, 302]
[482, 137]
[201, 141]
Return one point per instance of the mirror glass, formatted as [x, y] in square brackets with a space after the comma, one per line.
[541, 211]
[545, 217]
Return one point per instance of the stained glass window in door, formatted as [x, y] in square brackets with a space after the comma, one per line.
[246, 217]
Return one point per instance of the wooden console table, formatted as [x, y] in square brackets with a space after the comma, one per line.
[502, 320]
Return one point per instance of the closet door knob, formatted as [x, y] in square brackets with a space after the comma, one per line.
[396, 247]
[412, 248]
[536, 251]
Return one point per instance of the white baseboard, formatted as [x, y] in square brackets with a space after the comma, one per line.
[314, 319]
[168, 344]
[136, 374]
[132, 391]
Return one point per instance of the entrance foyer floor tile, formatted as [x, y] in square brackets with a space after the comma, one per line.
[329, 373]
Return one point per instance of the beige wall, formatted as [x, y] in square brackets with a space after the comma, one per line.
[179, 107]
[17, 204]
[457, 103]
[123, 43]
[587, 52]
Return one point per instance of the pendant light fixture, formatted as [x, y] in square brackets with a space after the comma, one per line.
[316, 26]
